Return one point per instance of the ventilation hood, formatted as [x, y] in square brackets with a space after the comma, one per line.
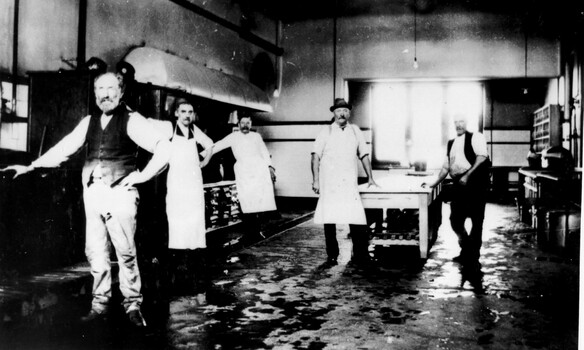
[166, 70]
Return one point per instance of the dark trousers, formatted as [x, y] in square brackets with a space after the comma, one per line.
[251, 224]
[188, 273]
[470, 205]
[359, 236]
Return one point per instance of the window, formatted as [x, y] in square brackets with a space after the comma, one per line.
[13, 116]
[412, 121]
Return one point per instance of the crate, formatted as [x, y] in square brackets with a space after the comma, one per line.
[563, 228]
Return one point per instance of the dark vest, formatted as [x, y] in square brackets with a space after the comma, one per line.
[112, 148]
[469, 153]
[482, 174]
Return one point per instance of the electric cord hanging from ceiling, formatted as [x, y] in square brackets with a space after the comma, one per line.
[415, 35]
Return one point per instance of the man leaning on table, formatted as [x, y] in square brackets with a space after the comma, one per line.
[467, 162]
[334, 171]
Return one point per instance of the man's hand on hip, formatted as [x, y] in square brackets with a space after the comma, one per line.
[132, 179]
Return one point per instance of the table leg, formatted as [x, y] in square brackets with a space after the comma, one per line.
[423, 224]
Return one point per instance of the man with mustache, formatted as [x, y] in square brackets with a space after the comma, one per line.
[185, 199]
[254, 175]
[467, 162]
[109, 174]
[334, 171]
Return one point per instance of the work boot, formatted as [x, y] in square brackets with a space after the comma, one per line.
[94, 315]
[179, 278]
[330, 262]
[136, 319]
[199, 270]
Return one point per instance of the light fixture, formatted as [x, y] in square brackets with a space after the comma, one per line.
[415, 35]
[525, 90]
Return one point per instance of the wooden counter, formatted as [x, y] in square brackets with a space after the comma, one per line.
[542, 190]
[402, 191]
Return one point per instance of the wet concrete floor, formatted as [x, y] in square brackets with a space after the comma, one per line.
[276, 295]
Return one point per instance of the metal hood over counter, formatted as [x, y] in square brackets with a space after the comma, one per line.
[166, 70]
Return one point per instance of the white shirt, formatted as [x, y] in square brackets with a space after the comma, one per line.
[458, 164]
[334, 130]
[139, 130]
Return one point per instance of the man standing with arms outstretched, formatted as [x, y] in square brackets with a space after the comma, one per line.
[112, 138]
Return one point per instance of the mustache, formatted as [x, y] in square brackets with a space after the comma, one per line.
[105, 99]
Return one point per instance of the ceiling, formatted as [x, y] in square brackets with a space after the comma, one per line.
[540, 12]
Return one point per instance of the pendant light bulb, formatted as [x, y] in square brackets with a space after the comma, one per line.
[415, 36]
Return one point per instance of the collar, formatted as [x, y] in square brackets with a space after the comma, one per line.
[337, 126]
[120, 109]
[181, 130]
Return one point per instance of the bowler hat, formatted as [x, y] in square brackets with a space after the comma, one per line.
[340, 103]
[126, 70]
[95, 66]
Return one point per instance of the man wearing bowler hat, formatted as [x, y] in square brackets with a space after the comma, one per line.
[334, 171]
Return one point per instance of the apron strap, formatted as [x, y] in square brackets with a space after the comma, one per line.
[176, 129]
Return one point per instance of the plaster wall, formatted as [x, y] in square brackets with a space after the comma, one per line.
[48, 33]
[6, 32]
[449, 45]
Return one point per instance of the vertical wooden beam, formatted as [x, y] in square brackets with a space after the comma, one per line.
[15, 53]
[81, 33]
[335, 49]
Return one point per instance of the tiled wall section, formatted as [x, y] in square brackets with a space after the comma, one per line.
[508, 147]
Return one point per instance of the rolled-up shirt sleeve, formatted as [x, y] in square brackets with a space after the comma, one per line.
[202, 138]
[479, 145]
[224, 143]
[320, 142]
[264, 150]
[64, 148]
[144, 133]
[362, 149]
[162, 126]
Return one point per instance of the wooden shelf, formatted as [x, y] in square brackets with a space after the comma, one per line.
[221, 205]
[546, 129]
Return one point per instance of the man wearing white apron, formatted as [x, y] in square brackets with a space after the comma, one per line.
[254, 174]
[185, 199]
[335, 170]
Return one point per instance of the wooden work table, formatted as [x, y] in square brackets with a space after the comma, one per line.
[403, 191]
[545, 188]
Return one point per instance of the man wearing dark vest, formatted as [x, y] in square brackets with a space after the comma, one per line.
[467, 162]
[112, 138]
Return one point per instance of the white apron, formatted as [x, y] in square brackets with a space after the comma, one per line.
[339, 201]
[255, 190]
[185, 198]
